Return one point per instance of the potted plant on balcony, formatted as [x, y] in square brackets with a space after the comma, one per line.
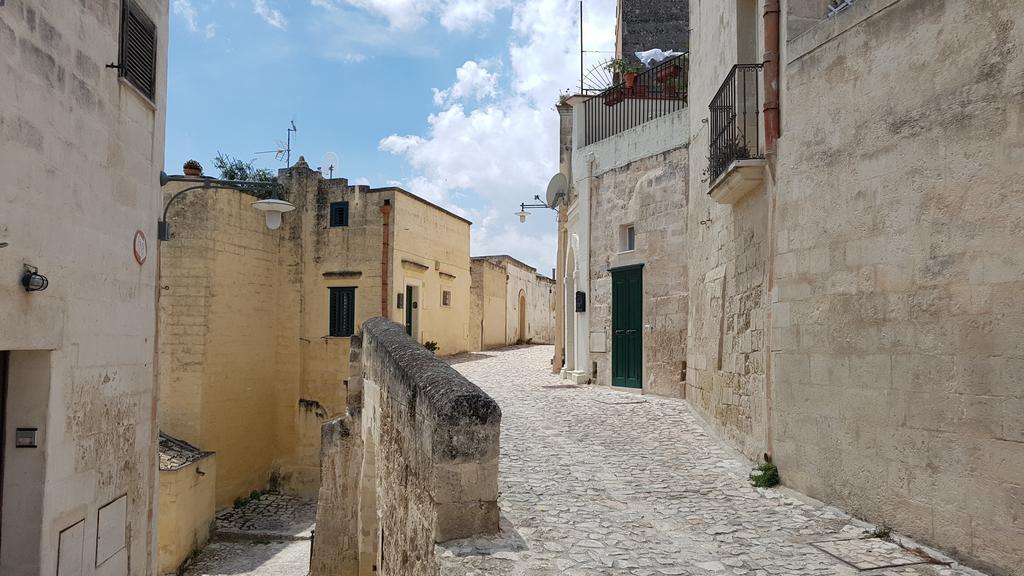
[628, 73]
[668, 72]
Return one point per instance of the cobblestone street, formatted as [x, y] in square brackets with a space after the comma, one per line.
[267, 536]
[601, 482]
[595, 481]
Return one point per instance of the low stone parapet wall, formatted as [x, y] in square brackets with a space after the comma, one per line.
[427, 465]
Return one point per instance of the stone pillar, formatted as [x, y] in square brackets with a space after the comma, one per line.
[565, 167]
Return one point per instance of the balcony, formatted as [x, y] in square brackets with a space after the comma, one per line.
[736, 162]
[638, 99]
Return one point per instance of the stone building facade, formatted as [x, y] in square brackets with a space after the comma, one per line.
[850, 250]
[512, 303]
[257, 321]
[644, 25]
[81, 150]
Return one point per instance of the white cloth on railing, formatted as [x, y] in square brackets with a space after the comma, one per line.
[655, 55]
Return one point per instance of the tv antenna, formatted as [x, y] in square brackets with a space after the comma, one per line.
[284, 149]
[329, 162]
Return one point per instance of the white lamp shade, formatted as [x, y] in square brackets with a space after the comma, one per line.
[522, 215]
[273, 208]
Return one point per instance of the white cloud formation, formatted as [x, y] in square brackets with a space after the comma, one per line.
[472, 80]
[270, 15]
[504, 150]
[187, 11]
[463, 15]
[460, 15]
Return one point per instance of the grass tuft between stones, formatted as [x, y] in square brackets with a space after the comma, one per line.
[765, 476]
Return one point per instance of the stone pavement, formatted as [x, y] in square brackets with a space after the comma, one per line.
[268, 536]
[601, 482]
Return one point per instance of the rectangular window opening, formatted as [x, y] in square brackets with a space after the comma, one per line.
[446, 298]
[339, 214]
[342, 317]
[627, 238]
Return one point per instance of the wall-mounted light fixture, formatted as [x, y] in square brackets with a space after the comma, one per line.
[522, 208]
[273, 207]
[33, 281]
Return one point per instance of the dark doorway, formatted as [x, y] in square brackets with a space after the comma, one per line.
[3, 434]
[627, 320]
[408, 310]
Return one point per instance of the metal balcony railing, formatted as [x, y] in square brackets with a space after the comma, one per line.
[736, 119]
[650, 94]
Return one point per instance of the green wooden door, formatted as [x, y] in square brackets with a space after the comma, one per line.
[627, 319]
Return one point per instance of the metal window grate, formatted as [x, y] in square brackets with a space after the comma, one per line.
[837, 6]
[137, 60]
[339, 214]
[343, 312]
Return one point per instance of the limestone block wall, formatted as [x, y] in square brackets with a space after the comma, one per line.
[187, 510]
[728, 251]
[412, 464]
[80, 153]
[651, 195]
[218, 378]
[899, 306]
[639, 178]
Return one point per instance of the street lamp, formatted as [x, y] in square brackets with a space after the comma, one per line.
[540, 204]
[273, 207]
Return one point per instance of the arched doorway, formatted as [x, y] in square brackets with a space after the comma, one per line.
[522, 317]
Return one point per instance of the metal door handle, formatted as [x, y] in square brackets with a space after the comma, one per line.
[630, 331]
[620, 331]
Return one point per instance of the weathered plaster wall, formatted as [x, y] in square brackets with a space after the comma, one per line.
[187, 509]
[81, 154]
[899, 306]
[431, 252]
[503, 280]
[727, 357]
[427, 439]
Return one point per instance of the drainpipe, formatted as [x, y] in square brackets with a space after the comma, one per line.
[385, 295]
[772, 125]
[772, 130]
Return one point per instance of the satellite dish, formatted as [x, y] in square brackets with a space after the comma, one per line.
[329, 163]
[557, 189]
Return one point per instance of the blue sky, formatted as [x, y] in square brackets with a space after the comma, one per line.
[451, 99]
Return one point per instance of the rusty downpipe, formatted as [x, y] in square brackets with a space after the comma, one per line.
[385, 213]
[772, 124]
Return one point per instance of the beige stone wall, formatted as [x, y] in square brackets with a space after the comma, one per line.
[217, 363]
[651, 195]
[488, 315]
[431, 253]
[80, 152]
[899, 304]
[398, 480]
[187, 509]
[728, 257]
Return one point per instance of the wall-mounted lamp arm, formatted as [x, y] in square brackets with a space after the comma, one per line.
[202, 182]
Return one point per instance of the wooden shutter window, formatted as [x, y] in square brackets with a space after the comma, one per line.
[342, 315]
[339, 214]
[138, 49]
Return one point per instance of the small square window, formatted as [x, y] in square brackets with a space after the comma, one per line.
[339, 214]
[446, 298]
[627, 238]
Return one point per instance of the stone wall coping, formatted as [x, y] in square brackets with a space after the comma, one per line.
[830, 28]
[454, 400]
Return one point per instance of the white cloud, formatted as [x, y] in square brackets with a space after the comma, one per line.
[471, 80]
[271, 16]
[210, 30]
[400, 14]
[463, 15]
[483, 161]
[187, 11]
